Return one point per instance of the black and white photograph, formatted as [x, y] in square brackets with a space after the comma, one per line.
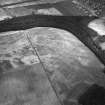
[52, 52]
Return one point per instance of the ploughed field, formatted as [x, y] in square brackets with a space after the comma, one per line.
[70, 65]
